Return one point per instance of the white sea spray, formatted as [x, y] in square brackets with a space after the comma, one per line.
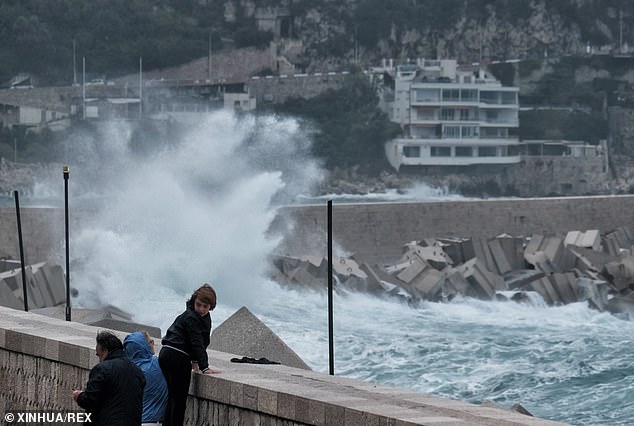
[197, 210]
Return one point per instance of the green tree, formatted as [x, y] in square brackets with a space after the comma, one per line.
[352, 130]
[557, 124]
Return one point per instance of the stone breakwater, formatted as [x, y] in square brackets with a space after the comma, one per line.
[582, 266]
[376, 232]
[380, 235]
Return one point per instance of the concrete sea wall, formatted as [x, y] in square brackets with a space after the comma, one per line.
[42, 359]
[373, 231]
[376, 232]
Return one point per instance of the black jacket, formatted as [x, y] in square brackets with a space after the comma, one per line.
[190, 333]
[114, 392]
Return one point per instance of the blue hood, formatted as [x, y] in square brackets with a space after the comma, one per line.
[137, 349]
[155, 391]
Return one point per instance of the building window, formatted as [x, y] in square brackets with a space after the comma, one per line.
[464, 151]
[425, 114]
[494, 132]
[489, 97]
[451, 95]
[487, 151]
[509, 98]
[427, 95]
[440, 151]
[469, 132]
[492, 116]
[469, 95]
[451, 132]
[467, 115]
[447, 114]
[411, 151]
[424, 132]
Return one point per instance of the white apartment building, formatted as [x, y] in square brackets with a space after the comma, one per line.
[450, 116]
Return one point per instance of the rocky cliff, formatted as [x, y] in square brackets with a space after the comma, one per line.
[364, 31]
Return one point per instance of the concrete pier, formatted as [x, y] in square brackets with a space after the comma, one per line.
[42, 358]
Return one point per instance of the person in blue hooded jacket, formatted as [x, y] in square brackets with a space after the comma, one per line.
[139, 347]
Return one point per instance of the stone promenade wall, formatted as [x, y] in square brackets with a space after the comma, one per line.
[377, 232]
[42, 359]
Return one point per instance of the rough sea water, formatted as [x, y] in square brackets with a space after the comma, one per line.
[196, 210]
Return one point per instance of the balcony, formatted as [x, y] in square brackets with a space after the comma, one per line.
[507, 122]
[457, 161]
[441, 152]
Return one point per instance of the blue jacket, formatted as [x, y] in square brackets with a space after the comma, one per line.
[155, 391]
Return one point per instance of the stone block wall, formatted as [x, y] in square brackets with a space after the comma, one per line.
[549, 175]
[274, 89]
[38, 372]
[621, 126]
[35, 383]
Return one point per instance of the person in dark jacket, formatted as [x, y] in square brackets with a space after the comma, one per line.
[114, 392]
[185, 349]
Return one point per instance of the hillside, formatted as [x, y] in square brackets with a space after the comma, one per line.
[49, 38]
[571, 60]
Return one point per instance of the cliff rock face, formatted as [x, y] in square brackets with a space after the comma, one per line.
[365, 31]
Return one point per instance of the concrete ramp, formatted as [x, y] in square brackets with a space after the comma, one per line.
[245, 335]
[108, 317]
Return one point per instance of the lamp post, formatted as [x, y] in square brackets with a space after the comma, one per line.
[22, 267]
[331, 345]
[66, 173]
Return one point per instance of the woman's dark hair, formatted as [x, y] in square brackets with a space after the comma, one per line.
[206, 294]
[108, 341]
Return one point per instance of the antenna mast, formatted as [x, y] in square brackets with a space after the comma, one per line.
[74, 65]
[209, 59]
[620, 30]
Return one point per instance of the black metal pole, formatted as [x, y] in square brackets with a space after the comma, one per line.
[66, 172]
[331, 346]
[17, 213]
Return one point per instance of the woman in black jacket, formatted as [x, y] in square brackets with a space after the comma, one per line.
[185, 349]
